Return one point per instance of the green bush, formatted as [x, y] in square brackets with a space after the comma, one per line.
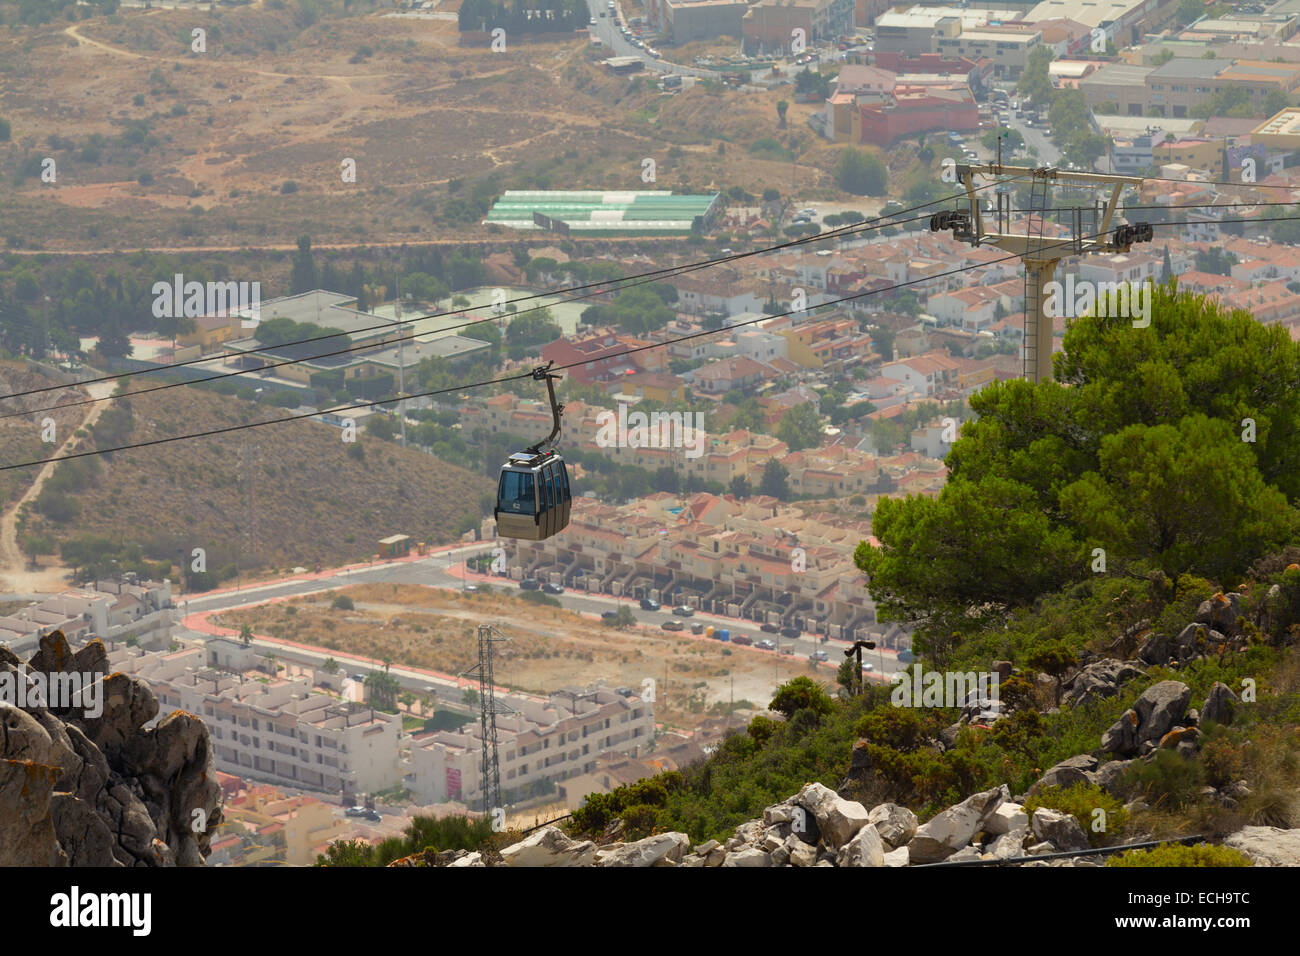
[1081, 801]
[537, 597]
[1168, 780]
[1175, 854]
[799, 694]
[342, 603]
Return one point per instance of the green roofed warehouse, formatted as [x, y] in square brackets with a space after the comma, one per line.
[605, 213]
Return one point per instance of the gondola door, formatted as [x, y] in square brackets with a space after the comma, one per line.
[546, 491]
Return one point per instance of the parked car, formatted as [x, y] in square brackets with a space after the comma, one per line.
[741, 639]
[818, 656]
[355, 812]
[673, 625]
[790, 632]
[471, 587]
[529, 584]
[684, 610]
[650, 604]
[609, 615]
[624, 691]
[770, 628]
[552, 589]
[765, 645]
[868, 668]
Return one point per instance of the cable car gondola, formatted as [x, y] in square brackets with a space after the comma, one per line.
[533, 496]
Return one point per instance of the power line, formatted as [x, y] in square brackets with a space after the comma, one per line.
[642, 280]
[626, 282]
[528, 375]
[836, 233]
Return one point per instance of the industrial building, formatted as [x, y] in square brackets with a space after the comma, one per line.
[768, 25]
[605, 213]
[685, 21]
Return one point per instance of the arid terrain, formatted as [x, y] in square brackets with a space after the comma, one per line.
[243, 145]
[548, 647]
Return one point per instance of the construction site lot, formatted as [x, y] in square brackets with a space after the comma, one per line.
[364, 129]
[548, 648]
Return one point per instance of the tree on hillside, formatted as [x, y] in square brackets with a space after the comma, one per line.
[303, 276]
[775, 480]
[1055, 660]
[1185, 498]
[781, 107]
[1046, 472]
[529, 329]
[800, 427]
[801, 693]
[860, 172]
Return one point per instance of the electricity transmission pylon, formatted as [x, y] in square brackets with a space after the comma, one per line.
[1039, 253]
[489, 707]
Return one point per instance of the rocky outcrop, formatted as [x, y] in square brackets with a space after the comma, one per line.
[954, 828]
[1067, 773]
[550, 847]
[1219, 705]
[81, 787]
[1059, 829]
[1267, 846]
[1161, 708]
[1099, 679]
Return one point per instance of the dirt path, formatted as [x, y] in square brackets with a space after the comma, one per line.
[15, 575]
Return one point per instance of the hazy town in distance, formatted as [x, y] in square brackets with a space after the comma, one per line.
[874, 343]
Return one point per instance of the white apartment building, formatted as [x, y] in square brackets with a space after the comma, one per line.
[546, 741]
[109, 610]
[279, 731]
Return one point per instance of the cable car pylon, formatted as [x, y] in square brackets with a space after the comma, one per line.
[1041, 255]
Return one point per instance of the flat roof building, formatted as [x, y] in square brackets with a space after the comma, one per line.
[606, 212]
[688, 20]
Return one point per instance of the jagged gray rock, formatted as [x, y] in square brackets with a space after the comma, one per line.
[1066, 773]
[662, 849]
[1219, 705]
[1007, 818]
[837, 819]
[949, 831]
[118, 794]
[864, 849]
[896, 825]
[1099, 679]
[550, 847]
[1161, 707]
[1060, 829]
[1267, 846]
[1121, 737]
[749, 857]
[1109, 775]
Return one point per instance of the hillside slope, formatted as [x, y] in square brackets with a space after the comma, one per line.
[273, 496]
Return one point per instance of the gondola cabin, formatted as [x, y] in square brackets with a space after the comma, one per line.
[533, 497]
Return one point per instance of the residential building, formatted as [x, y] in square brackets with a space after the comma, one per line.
[768, 25]
[685, 21]
[276, 730]
[111, 610]
[543, 743]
